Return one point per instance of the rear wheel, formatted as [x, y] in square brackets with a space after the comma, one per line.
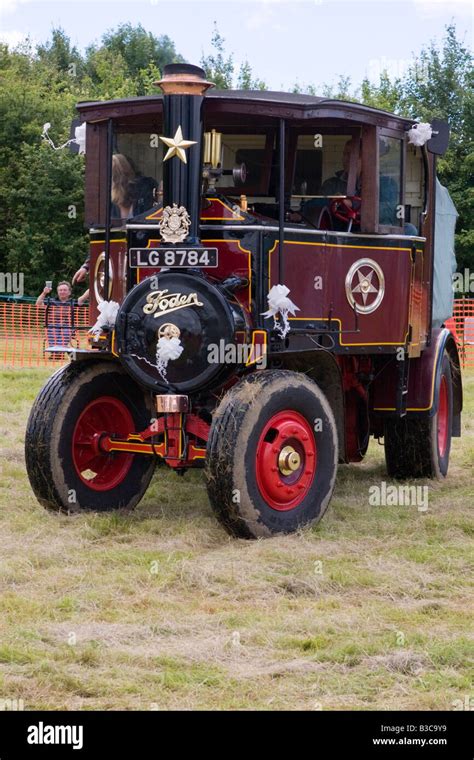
[272, 455]
[419, 447]
[66, 466]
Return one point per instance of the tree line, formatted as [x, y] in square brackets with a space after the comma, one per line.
[41, 190]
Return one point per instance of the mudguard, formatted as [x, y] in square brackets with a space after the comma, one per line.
[423, 381]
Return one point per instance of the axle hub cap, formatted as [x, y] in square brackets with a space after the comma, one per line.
[288, 460]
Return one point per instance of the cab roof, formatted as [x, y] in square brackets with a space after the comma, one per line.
[286, 105]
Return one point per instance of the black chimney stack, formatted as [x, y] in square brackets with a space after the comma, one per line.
[183, 89]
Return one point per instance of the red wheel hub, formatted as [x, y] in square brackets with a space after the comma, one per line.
[443, 417]
[98, 469]
[286, 460]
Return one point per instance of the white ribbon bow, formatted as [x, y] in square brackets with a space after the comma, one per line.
[279, 303]
[108, 311]
[167, 349]
[419, 134]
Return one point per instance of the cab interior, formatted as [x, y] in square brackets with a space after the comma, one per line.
[318, 168]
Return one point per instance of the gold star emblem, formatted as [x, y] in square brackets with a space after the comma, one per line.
[177, 146]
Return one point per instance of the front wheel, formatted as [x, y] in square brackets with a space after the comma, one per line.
[66, 466]
[272, 455]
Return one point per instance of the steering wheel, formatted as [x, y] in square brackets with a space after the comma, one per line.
[319, 218]
[350, 214]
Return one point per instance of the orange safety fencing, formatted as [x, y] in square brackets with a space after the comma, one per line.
[461, 325]
[24, 334]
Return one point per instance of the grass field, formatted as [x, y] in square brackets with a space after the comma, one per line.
[160, 609]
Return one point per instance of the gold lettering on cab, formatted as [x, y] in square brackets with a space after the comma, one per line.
[161, 302]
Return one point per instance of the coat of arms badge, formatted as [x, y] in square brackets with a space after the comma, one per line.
[174, 226]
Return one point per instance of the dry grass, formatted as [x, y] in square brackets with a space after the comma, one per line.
[160, 609]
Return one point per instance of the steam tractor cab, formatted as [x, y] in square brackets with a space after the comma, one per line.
[261, 274]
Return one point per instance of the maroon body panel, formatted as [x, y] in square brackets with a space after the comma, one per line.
[421, 379]
[324, 298]
[118, 271]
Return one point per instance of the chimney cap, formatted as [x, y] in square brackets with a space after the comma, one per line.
[183, 68]
[183, 79]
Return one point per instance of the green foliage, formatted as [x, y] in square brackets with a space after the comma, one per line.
[384, 95]
[342, 91]
[34, 92]
[440, 83]
[40, 234]
[58, 55]
[138, 49]
[46, 238]
[246, 80]
[219, 68]
[107, 76]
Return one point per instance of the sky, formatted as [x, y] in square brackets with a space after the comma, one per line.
[303, 41]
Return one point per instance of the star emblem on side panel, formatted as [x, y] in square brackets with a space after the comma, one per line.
[365, 286]
[177, 145]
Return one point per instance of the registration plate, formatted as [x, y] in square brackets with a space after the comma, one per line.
[173, 257]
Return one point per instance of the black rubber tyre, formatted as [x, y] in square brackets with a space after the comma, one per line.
[51, 431]
[417, 447]
[244, 455]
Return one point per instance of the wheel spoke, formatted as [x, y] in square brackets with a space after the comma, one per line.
[83, 442]
[106, 414]
[86, 456]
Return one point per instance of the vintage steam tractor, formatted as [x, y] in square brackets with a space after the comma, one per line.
[269, 283]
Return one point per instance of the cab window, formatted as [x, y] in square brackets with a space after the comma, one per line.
[391, 211]
[415, 188]
[321, 166]
[137, 172]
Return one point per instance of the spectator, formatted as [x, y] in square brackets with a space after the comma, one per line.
[59, 316]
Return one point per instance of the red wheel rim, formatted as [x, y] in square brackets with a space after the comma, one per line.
[98, 469]
[443, 417]
[286, 460]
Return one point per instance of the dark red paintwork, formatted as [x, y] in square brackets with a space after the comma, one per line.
[421, 382]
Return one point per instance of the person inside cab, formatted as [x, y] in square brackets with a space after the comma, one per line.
[338, 185]
[132, 194]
